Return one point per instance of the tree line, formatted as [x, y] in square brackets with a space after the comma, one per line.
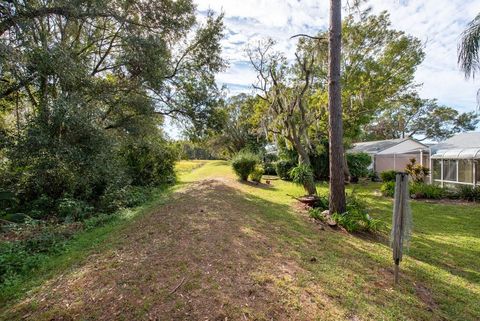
[85, 87]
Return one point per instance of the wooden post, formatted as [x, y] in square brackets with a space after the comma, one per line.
[400, 221]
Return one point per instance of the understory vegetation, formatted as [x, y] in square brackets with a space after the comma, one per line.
[420, 190]
[354, 219]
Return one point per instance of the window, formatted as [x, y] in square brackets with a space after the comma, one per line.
[450, 170]
[465, 171]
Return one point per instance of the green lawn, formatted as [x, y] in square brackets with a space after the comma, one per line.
[318, 273]
[440, 274]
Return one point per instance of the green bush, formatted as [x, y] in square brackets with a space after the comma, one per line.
[417, 190]
[244, 164]
[256, 174]
[356, 217]
[388, 189]
[301, 174]
[358, 165]
[316, 213]
[269, 169]
[428, 191]
[150, 161]
[469, 193]
[128, 196]
[73, 210]
[388, 176]
[283, 168]
[269, 164]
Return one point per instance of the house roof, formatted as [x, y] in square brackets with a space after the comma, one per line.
[378, 146]
[460, 141]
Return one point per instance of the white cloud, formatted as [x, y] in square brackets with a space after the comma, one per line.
[437, 23]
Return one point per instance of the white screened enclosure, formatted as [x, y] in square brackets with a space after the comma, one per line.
[456, 166]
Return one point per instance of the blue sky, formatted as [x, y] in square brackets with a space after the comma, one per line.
[437, 23]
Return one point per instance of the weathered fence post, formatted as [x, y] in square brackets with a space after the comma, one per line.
[401, 221]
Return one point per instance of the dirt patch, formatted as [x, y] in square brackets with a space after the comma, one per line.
[198, 257]
[426, 296]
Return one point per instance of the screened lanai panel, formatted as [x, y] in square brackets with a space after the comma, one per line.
[465, 171]
[449, 170]
[477, 172]
[437, 168]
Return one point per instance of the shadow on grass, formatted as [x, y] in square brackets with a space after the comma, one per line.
[258, 185]
[217, 239]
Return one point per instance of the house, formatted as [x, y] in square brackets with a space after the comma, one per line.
[456, 160]
[393, 154]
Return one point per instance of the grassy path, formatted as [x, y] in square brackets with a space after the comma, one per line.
[218, 249]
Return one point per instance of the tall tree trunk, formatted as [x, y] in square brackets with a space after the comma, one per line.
[337, 183]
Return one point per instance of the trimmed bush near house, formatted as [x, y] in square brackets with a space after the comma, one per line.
[427, 191]
[283, 168]
[244, 164]
[257, 174]
[388, 189]
[468, 193]
[388, 176]
[418, 191]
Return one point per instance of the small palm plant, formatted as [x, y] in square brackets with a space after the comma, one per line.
[302, 175]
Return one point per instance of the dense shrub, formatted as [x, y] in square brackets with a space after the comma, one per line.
[428, 191]
[73, 210]
[256, 174]
[71, 167]
[316, 213]
[269, 169]
[468, 192]
[244, 164]
[417, 190]
[283, 168]
[388, 176]
[149, 161]
[358, 165]
[269, 164]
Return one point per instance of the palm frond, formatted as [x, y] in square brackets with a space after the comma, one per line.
[469, 48]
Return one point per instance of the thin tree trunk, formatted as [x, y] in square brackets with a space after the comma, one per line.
[337, 183]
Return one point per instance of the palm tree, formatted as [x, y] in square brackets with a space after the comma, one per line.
[469, 48]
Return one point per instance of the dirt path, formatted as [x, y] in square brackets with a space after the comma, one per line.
[199, 257]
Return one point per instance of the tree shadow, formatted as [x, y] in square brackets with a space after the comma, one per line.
[212, 249]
